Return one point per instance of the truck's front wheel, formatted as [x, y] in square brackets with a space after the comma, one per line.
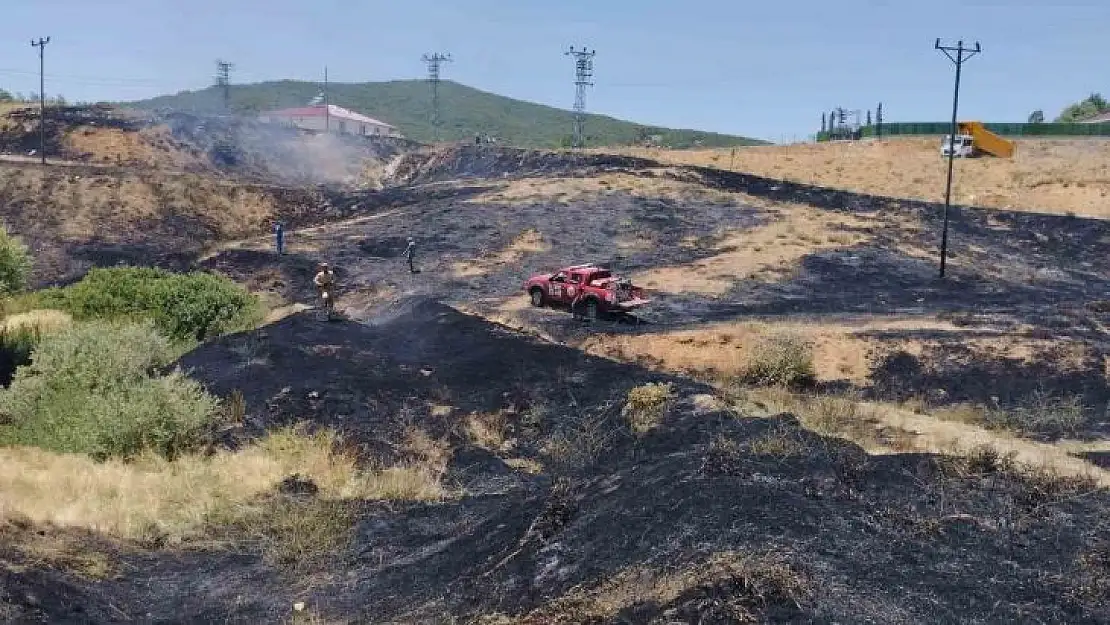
[536, 296]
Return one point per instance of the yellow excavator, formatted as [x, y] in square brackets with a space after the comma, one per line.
[974, 139]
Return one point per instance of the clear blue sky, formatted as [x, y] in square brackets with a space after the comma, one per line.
[764, 69]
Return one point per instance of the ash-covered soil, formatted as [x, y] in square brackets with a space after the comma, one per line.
[418, 355]
[712, 517]
[1033, 274]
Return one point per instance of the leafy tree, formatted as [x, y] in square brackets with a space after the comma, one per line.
[6, 96]
[1093, 105]
[868, 117]
[1036, 117]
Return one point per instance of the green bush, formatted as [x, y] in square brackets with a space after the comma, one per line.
[95, 389]
[15, 264]
[192, 306]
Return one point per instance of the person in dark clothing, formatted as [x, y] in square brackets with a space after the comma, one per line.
[410, 253]
[279, 237]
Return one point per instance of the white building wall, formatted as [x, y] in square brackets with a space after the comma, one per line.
[335, 124]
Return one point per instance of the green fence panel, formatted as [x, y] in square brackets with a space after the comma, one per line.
[1005, 129]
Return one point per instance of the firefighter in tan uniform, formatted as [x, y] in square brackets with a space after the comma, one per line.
[324, 280]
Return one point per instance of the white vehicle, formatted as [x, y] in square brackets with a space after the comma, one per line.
[965, 146]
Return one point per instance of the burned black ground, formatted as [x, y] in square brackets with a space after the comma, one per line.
[1018, 272]
[843, 536]
[850, 537]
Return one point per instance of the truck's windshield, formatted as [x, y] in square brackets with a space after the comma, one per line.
[600, 275]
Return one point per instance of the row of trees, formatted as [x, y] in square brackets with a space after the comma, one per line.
[7, 97]
[1085, 109]
[836, 124]
[1091, 106]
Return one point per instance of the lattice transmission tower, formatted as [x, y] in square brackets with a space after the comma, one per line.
[583, 72]
[223, 80]
[434, 61]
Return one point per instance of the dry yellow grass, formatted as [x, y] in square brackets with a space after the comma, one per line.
[1053, 175]
[486, 430]
[616, 191]
[843, 349]
[763, 574]
[769, 253]
[43, 548]
[149, 147]
[113, 205]
[883, 428]
[646, 405]
[727, 349]
[176, 499]
[528, 242]
[596, 187]
[42, 321]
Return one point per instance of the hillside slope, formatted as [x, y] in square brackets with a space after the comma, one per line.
[465, 111]
[1045, 175]
[564, 511]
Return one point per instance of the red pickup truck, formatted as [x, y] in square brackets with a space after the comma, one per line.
[600, 291]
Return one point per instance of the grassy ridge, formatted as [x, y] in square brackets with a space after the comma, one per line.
[465, 111]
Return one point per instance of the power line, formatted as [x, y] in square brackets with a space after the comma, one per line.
[223, 80]
[962, 54]
[583, 72]
[102, 80]
[41, 45]
[433, 62]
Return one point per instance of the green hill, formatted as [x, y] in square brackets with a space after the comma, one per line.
[464, 111]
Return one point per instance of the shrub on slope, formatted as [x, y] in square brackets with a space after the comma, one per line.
[15, 264]
[185, 307]
[94, 388]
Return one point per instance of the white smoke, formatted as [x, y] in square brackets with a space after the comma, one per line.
[286, 155]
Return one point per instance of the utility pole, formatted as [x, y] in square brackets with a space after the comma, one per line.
[327, 103]
[433, 61]
[41, 45]
[962, 54]
[583, 72]
[223, 81]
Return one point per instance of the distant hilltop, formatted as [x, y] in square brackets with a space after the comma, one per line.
[405, 105]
